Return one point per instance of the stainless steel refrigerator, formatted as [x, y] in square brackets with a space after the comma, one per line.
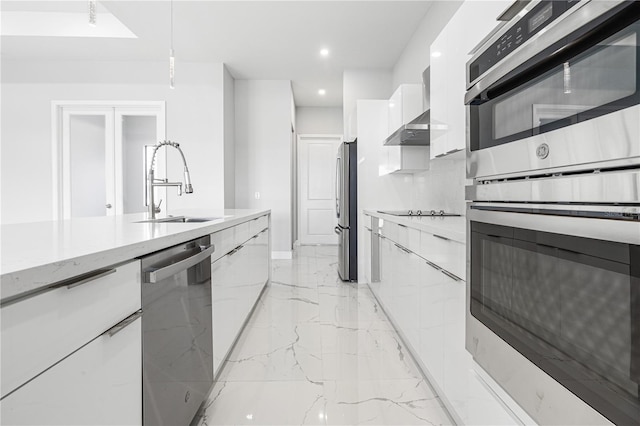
[347, 211]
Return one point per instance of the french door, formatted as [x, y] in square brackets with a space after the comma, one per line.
[100, 156]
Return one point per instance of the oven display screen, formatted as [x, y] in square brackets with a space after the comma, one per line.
[540, 17]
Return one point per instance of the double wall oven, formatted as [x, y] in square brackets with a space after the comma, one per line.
[553, 151]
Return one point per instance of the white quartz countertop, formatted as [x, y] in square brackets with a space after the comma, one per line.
[452, 227]
[38, 254]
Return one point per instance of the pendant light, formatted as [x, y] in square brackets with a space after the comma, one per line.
[172, 58]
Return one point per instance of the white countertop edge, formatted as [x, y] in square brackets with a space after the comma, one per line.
[31, 274]
[452, 227]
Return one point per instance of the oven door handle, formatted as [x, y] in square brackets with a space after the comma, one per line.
[153, 275]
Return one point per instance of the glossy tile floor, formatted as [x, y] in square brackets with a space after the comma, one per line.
[319, 351]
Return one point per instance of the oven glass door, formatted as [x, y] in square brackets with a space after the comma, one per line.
[571, 305]
[594, 75]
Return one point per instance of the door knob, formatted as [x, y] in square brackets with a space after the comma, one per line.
[108, 206]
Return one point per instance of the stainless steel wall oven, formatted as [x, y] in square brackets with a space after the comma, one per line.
[561, 285]
[553, 229]
[559, 91]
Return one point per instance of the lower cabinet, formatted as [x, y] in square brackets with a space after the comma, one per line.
[426, 303]
[100, 383]
[237, 280]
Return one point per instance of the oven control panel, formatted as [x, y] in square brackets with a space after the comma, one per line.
[533, 22]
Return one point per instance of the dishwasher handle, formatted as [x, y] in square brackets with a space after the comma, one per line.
[152, 275]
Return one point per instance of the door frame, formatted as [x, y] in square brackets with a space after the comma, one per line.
[300, 138]
[60, 153]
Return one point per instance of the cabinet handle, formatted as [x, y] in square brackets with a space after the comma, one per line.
[441, 237]
[235, 250]
[92, 276]
[367, 228]
[123, 324]
[450, 275]
[404, 226]
[433, 265]
[406, 250]
[382, 236]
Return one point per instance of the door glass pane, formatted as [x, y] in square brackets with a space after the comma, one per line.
[87, 151]
[137, 131]
[605, 73]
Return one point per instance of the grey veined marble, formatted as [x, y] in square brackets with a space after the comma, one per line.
[320, 351]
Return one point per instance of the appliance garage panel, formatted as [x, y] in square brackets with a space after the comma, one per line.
[553, 219]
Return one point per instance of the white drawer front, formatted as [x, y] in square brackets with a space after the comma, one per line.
[447, 254]
[99, 384]
[223, 241]
[41, 330]
[241, 233]
[390, 230]
[258, 224]
[366, 220]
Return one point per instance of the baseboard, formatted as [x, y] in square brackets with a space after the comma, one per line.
[281, 255]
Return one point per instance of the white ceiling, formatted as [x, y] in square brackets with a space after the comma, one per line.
[255, 39]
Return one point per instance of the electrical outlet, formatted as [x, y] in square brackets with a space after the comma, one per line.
[257, 195]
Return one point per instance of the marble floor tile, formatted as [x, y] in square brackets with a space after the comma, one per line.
[319, 351]
[382, 402]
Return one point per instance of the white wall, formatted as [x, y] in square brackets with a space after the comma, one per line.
[263, 111]
[363, 84]
[229, 102]
[319, 120]
[194, 118]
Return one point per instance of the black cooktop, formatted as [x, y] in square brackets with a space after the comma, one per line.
[425, 212]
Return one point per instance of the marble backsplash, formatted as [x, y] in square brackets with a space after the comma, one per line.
[441, 187]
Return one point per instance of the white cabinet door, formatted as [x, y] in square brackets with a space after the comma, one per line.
[236, 282]
[455, 378]
[431, 321]
[223, 294]
[406, 307]
[449, 55]
[101, 383]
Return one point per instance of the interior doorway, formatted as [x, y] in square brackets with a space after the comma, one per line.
[316, 188]
[100, 156]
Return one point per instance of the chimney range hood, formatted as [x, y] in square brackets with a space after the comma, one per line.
[414, 133]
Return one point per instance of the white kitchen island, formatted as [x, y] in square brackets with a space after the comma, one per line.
[70, 308]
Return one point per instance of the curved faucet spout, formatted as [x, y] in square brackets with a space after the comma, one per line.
[152, 182]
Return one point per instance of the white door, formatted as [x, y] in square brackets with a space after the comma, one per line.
[88, 159]
[316, 183]
[102, 151]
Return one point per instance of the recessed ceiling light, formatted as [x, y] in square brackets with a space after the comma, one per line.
[436, 54]
[324, 52]
[322, 92]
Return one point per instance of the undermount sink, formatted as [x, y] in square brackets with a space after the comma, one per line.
[180, 219]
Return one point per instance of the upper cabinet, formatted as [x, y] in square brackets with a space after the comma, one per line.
[400, 153]
[450, 52]
[405, 104]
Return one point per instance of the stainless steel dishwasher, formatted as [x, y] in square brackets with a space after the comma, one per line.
[177, 347]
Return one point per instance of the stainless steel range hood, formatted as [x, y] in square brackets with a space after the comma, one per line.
[417, 131]
[414, 133]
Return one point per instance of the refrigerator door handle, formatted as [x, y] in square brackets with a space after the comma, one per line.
[338, 186]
